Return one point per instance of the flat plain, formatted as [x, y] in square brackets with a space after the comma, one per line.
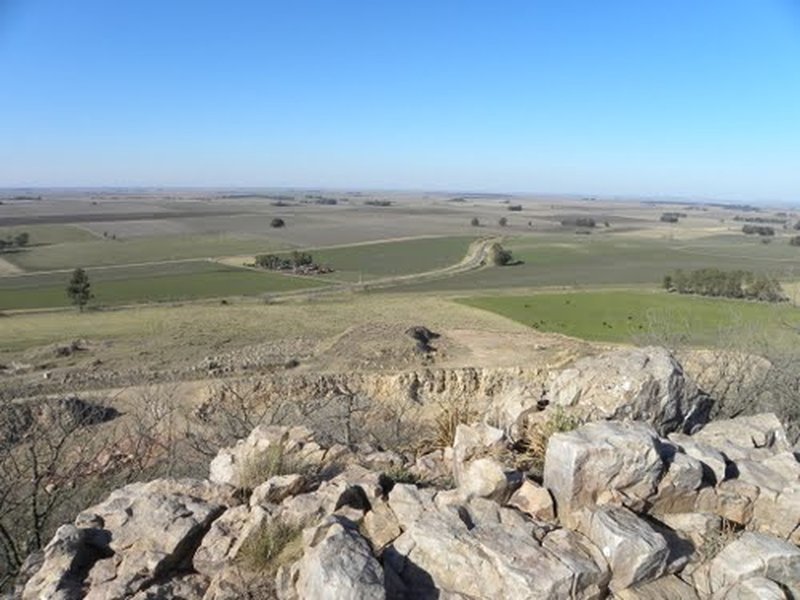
[188, 246]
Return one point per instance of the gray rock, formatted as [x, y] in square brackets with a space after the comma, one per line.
[635, 552]
[339, 566]
[643, 384]
[713, 460]
[752, 437]
[154, 529]
[275, 489]
[534, 500]
[602, 463]
[668, 587]
[755, 588]
[67, 560]
[752, 555]
[474, 441]
[440, 554]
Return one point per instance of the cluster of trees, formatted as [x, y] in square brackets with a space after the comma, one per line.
[378, 202]
[515, 207]
[672, 217]
[578, 222]
[773, 220]
[758, 229]
[726, 284]
[499, 256]
[295, 260]
[18, 241]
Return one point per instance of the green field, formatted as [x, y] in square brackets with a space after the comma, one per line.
[627, 316]
[389, 259]
[141, 249]
[181, 281]
[44, 235]
[601, 260]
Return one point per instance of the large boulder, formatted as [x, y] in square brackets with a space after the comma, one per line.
[603, 463]
[643, 384]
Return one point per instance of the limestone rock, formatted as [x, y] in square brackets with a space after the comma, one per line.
[275, 489]
[602, 463]
[534, 500]
[713, 461]
[755, 588]
[668, 587]
[380, 526]
[752, 437]
[736, 500]
[635, 551]
[474, 441]
[644, 384]
[488, 478]
[677, 488]
[752, 555]
[440, 554]
[67, 560]
[339, 566]
[265, 446]
[154, 529]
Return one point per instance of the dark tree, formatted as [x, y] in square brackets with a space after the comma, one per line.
[502, 222]
[277, 222]
[79, 289]
[22, 239]
[475, 222]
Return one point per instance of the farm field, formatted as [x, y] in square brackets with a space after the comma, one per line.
[387, 259]
[43, 235]
[170, 282]
[558, 259]
[636, 317]
[101, 252]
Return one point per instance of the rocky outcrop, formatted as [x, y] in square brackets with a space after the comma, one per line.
[621, 512]
[643, 384]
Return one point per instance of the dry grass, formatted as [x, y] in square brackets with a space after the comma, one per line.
[274, 544]
[537, 435]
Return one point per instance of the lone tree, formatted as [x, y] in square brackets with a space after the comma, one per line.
[277, 222]
[22, 239]
[502, 222]
[475, 222]
[78, 289]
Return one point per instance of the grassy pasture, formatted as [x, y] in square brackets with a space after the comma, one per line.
[114, 252]
[176, 281]
[178, 328]
[625, 316]
[602, 260]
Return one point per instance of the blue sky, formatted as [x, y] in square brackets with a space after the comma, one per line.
[686, 97]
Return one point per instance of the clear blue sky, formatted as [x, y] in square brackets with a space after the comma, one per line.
[683, 97]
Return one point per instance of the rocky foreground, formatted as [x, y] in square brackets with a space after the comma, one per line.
[629, 505]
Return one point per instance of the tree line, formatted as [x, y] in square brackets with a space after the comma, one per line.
[18, 241]
[725, 284]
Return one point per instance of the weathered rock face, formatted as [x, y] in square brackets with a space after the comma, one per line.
[643, 384]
